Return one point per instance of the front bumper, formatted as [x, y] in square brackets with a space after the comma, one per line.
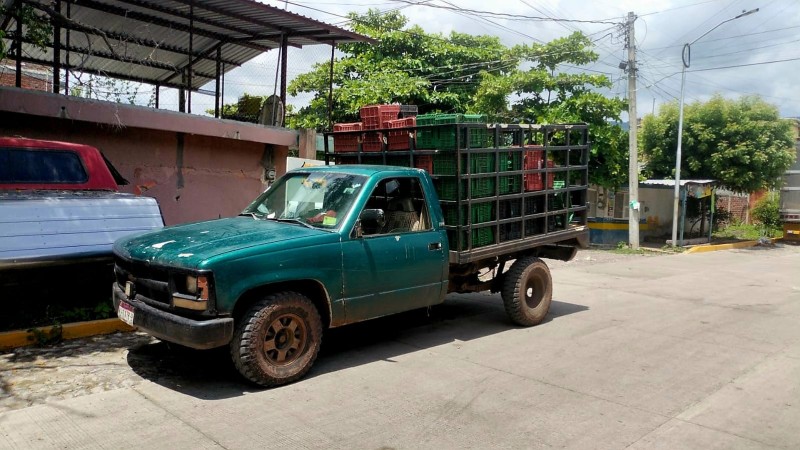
[199, 334]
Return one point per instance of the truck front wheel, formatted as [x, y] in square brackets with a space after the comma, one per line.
[527, 291]
[277, 340]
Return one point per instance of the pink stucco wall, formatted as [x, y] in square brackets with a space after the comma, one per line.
[215, 177]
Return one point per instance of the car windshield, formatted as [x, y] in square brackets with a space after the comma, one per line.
[320, 200]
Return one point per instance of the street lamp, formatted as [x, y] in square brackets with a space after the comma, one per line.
[686, 56]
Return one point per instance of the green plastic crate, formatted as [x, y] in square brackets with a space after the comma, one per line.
[480, 162]
[480, 238]
[510, 184]
[509, 161]
[459, 118]
[427, 138]
[482, 187]
[478, 138]
[445, 164]
[447, 189]
[481, 213]
[426, 119]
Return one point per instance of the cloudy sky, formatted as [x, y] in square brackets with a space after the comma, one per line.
[756, 54]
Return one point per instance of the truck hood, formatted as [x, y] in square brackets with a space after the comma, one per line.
[191, 244]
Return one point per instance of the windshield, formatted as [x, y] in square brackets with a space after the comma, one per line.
[321, 200]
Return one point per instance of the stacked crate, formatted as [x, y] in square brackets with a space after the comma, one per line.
[373, 118]
[492, 191]
[401, 140]
[346, 142]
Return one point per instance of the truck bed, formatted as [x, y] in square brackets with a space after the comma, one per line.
[503, 189]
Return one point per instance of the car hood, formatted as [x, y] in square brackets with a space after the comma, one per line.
[192, 244]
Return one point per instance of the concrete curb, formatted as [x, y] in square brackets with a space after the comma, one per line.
[716, 247]
[22, 338]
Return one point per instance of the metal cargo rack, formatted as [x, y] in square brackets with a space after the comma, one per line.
[495, 200]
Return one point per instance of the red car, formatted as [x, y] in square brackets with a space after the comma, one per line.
[50, 165]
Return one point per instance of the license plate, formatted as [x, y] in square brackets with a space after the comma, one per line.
[125, 313]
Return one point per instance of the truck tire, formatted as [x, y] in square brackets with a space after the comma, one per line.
[277, 340]
[527, 291]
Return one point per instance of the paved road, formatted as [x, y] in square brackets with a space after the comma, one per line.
[679, 351]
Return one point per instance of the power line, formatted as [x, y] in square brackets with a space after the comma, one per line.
[508, 16]
[745, 65]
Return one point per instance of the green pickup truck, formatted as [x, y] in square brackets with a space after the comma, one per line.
[332, 245]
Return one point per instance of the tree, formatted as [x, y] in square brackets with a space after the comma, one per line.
[743, 144]
[541, 94]
[405, 65]
[36, 29]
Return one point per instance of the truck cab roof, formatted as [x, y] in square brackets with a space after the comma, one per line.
[27, 164]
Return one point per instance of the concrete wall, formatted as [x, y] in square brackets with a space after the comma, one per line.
[658, 210]
[193, 177]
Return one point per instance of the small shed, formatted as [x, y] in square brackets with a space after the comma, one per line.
[660, 198]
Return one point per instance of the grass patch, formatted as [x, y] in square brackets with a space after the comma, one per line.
[743, 232]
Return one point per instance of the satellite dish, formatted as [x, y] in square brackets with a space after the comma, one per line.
[272, 112]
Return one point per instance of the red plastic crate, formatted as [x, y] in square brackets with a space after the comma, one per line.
[355, 126]
[533, 158]
[372, 142]
[376, 116]
[348, 142]
[533, 181]
[424, 162]
[399, 140]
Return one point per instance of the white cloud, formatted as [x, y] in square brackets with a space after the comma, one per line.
[661, 30]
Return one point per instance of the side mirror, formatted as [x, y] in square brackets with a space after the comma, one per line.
[370, 221]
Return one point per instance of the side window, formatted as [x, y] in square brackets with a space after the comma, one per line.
[403, 203]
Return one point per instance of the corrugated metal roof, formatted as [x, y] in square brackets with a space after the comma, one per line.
[149, 40]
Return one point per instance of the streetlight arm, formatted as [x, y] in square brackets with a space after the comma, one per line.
[745, 13]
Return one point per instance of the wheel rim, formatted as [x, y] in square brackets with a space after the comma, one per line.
[534, 289]
[285, 339]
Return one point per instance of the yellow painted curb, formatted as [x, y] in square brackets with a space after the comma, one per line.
[21, 338]
[715, 247]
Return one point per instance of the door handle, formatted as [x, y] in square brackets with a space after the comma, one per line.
[435, 246]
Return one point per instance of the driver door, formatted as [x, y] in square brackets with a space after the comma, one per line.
[399, 266]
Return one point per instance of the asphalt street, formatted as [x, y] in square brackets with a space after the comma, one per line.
[677, 351]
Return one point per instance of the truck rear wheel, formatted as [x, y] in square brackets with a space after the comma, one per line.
[527, 291]
[277, 340]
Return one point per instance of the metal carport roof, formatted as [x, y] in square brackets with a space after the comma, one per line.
[172, 43]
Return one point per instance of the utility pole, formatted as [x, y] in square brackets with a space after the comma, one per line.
[633, 155]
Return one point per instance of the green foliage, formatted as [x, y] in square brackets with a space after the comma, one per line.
[766, 212]
[43, 338]
[405, 65]
[474, 74]
[744, 144]
[539, 94]
[744, 232]
[37, 29]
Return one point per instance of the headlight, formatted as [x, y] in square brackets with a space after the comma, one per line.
[192, 292]
[197, 285]
[191, 285]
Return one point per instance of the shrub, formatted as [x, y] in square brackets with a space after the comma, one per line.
[766, 212]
